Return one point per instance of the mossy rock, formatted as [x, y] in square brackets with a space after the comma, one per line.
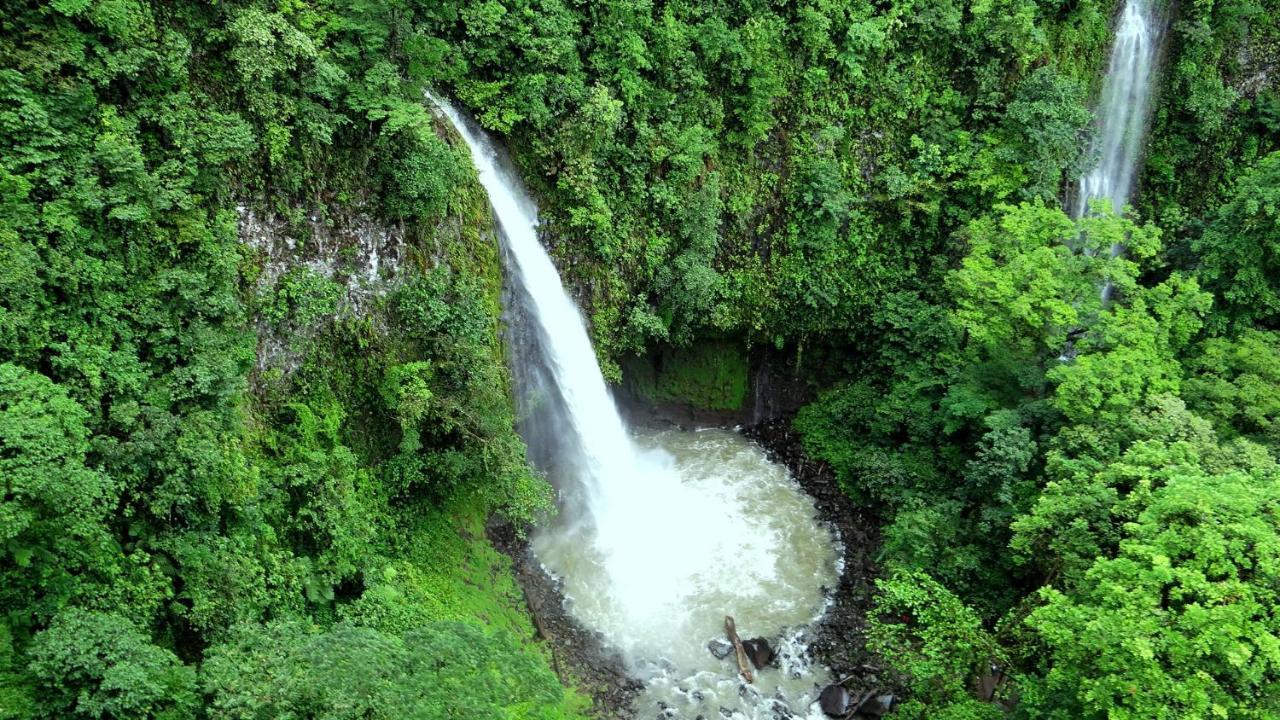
[712, 375]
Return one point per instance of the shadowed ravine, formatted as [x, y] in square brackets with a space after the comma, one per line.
[660, 534]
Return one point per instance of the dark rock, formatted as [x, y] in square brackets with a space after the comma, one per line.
[720, 648]
[839, 639]
[835, 701]
[759, 651]
[877, 706]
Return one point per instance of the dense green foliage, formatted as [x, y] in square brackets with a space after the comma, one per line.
[230, 476]
[243, 479]
[1111, 515]
[770, 169]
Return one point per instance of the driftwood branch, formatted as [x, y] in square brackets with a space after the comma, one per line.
[744, 666]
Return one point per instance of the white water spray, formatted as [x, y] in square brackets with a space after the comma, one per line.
[656, 542]
[1123, 114]
[1123, 110]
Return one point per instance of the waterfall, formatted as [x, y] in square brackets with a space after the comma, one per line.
[1123, 110]
[563, 399]
[661, 533]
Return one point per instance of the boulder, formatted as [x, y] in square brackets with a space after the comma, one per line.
[720, 648]
[877, 706]
[760, 652]
[835, 701]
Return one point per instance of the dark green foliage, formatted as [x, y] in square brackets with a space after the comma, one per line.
[1236, 383]
[164, 484]
[1005, 466]
[1239, 251]
[748, 169]
[1040, 136]
[100, 665]
[240, 481]
[1216, 112]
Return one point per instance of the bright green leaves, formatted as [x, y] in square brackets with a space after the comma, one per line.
[301, 299]
[926, 632]
[265, 47]
[980, 433]
[443, 669]
[1131, 353]
[1182, 621]
[53, 506]
[1021, 289]
[1031, 288]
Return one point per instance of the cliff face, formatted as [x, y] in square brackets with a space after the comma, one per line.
[347, 259]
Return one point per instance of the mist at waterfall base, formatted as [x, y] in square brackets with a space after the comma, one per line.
[663, 533]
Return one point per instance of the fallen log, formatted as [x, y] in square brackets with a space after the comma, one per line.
[744, 666]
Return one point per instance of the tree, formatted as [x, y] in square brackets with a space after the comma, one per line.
[99, 665]
[929, 635]
[1182, 622]
[1236, 383]
[1239, 252]
[1132, 352]
[53, 506]
[1040, 136]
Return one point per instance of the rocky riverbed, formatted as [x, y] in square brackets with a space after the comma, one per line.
[840, 636]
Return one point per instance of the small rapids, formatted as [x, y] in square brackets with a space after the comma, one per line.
[660, 533]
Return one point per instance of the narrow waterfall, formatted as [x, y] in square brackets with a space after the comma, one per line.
[567, 388]
[661, 532]
[1123, 110]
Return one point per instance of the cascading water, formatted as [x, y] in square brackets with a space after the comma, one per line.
[1123, 110]
[659, 536]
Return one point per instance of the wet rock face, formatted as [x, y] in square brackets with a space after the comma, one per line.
[353, 257]
[835, 701]
[759, 651]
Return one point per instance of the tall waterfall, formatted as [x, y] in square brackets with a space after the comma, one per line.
[661, 534]
[563, 389]
[1123, 110]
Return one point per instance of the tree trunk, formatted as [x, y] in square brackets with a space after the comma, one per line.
[744, 666]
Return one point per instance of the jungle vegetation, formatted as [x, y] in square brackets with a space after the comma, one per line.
[236, 490]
